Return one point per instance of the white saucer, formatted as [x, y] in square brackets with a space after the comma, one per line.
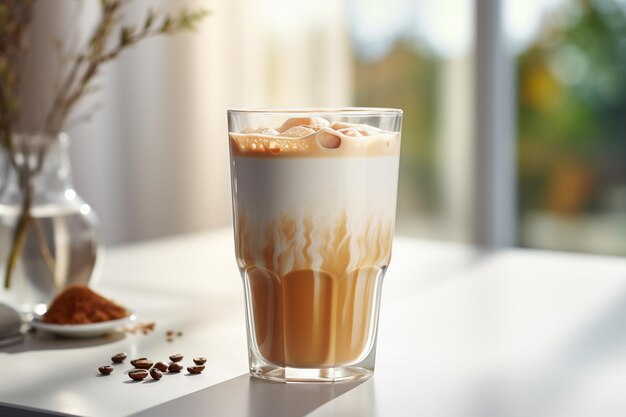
[82, 331]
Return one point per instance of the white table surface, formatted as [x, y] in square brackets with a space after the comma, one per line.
[462, 333]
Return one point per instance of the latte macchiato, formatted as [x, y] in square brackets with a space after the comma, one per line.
[314, 208]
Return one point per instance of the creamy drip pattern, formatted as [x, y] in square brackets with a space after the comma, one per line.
[333, 245]
[313, 286]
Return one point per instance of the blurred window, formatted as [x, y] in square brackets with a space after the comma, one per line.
[570, 70]
[416, 55]
[571, 123]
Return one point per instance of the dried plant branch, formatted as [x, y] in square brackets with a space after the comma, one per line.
[87, 63]
[68, 95]
[107, 41]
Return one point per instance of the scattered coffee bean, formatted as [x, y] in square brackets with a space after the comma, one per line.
[176, 358]
[138, 359]
[170, 335]
[195, 369]
[156, 373]
[106, 369]
[199, 361]
[144, 328]
[143, 364]
[175, 367]
[118, 358]
[160, 366]
[138, 374]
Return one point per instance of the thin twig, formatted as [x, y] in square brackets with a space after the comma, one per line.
[85, 117]
[16, 247]
[19, 236]
[44, 249]
[6, 176]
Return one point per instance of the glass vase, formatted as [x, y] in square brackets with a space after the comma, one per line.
[49, 237]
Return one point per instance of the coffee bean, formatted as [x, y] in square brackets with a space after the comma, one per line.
[155, 373]
[179, 334]
[106, 369]
[138, 374]
[138, 359]
[176, 358]
[195, 369]
[175, 367]
[118, 358]
[199, 361]
[143, 364]
[161, 366]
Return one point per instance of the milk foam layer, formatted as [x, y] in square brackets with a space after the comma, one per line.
[314, 227]
[301, 206]
[315, 137]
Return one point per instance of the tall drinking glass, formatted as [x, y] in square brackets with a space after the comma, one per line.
[314, 203]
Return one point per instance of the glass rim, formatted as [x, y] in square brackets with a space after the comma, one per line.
[293, 111]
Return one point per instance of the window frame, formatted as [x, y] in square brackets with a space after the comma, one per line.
[494, 184]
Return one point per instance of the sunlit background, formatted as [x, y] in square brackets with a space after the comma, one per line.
[153, 161]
